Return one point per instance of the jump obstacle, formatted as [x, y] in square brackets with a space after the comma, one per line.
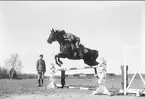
[126, 87]
[63, 71]
[101, 74]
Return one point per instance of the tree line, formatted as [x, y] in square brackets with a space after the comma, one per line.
[12, 69]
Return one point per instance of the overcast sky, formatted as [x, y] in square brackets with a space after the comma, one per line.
[106, 26]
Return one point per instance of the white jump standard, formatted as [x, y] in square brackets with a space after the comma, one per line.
[101, 71]
[126, 87]
[51, 84]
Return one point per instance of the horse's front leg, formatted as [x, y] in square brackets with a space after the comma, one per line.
[57, 58]
[60, 60]
[61, 55]
[56, 61]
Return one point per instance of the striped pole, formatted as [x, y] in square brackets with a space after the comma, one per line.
[87, 67]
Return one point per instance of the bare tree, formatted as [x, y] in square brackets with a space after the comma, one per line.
[14, 65]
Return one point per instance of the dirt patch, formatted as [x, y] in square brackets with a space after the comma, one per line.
[28, 89]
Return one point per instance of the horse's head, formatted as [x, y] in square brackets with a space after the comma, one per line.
[55, 35]
[52, 36]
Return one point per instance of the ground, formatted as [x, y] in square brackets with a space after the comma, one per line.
[27, 89]
[69, 94]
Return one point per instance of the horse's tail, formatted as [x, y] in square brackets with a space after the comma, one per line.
[96, 54]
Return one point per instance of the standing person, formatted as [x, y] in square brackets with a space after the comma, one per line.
[41, 69]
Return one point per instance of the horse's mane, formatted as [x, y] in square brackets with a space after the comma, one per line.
[62, 32]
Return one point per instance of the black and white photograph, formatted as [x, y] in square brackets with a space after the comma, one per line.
[72, 49]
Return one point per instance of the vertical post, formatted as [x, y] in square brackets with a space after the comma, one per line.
[124, 83]
[125, 80]
[124, 70]
[96, 74]
[122, 77]
[126, 76]
[62, 77]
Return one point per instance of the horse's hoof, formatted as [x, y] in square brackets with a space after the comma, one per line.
[59, 65]
[60, 62]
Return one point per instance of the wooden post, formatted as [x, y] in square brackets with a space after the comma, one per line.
[126, 76]
[62, 77]
[122, 77]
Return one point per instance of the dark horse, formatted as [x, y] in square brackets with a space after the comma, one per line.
[66, 51]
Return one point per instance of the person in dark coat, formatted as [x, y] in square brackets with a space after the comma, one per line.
[41, 69]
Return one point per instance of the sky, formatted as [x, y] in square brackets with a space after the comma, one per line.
[114, 28]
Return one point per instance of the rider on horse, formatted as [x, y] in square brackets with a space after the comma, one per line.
[74, 41]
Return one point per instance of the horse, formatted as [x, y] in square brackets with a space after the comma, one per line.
[66, 51]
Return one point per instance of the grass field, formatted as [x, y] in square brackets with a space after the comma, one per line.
[29, 86]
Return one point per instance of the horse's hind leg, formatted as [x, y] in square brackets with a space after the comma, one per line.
[92, 63]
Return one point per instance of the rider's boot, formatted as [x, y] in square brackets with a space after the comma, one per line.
[80, 53]
[75, 54]
[79, 50]
[72, 46]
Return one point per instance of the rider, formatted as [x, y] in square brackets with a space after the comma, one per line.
[74, 40]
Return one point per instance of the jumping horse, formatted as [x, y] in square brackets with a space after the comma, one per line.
[66, 51]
